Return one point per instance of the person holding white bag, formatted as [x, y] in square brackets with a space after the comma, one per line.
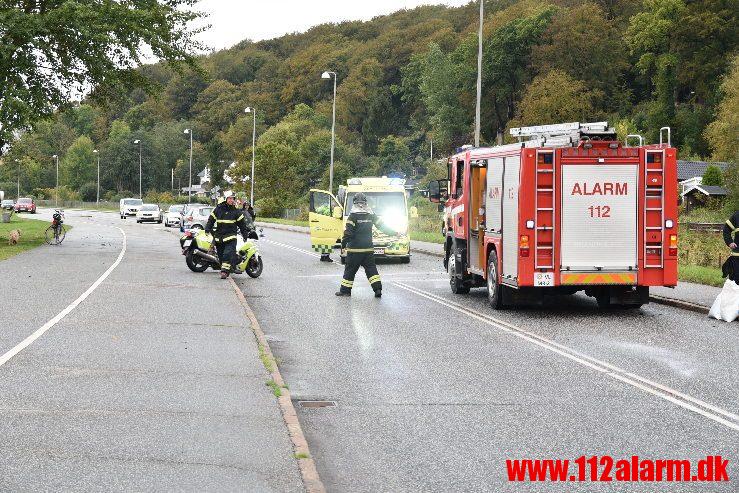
[726, 306]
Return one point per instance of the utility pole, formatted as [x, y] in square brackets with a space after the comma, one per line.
[95, 151]
[56, 191]
[19, 179]
[189, 190]
[141, 194]
[479, 78]
[253, 111]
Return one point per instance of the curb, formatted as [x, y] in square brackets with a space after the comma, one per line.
[685, 305]
[304, 230]
[307, 466]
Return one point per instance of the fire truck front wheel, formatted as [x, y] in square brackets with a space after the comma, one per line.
[455, 279]
[495, 290]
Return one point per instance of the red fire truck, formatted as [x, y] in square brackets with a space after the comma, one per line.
[567, 208]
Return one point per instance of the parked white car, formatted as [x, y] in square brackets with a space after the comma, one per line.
[149, 212]
[130, 207]
[173, 216]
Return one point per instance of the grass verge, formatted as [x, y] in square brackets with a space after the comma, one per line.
[700, 275]
[428, 236]
[277, 220]
[32, 235]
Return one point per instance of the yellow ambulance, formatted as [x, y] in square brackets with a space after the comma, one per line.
[387, 199]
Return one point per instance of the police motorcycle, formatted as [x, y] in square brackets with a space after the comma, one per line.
[200, 253]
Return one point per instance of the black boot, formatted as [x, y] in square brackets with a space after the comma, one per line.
[378, 293]
[326, 258]
[343, 293]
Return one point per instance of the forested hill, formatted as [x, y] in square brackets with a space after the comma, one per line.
[403, 80]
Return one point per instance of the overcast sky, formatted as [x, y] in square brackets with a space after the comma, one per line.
[235, 20]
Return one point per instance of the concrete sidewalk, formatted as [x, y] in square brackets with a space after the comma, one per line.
[152, 383]
[686, 295]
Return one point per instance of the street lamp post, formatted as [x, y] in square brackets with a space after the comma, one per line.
[19, 178]
[56, 190]
[253, 111]
[479, 78]
[189, 189]
[141, 195]
[328, 75]
[97, 201]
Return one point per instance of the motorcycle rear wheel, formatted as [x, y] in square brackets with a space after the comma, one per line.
[196, 264]
[254, 267]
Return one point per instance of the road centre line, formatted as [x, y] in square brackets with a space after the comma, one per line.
[290, 247]
[710, 411]
[39, 332]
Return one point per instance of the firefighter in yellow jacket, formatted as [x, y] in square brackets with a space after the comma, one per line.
[357, 241]
[227, 220]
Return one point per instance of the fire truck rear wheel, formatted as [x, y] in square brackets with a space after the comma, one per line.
[458, 285]
[495, 290]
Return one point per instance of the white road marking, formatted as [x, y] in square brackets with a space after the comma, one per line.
[306, 252]
[710, 411]
[39, 332]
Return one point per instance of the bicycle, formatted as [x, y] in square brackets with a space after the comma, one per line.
[56, 232]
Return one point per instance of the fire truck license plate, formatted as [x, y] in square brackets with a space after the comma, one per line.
[379, 251]
[544, 279]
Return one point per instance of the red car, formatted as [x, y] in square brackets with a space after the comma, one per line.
[25, 205]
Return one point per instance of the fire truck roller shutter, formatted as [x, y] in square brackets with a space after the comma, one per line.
[599, 217]
[493, 200]
[511, 178]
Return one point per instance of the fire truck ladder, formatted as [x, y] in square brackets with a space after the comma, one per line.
[563, 134]
[654, 211]
[544, 233]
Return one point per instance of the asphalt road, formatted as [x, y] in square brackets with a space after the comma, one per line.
[433, 395]
[151, 383]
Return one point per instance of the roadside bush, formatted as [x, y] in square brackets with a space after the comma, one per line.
[88, 192]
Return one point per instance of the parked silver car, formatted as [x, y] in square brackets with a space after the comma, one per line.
[173, 216]
[186, 212]
[149, 212]
[197, 217]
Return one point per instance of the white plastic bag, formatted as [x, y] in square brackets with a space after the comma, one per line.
[726, 306]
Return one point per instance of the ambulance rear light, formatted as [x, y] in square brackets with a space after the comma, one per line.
[523, 246]
[672, 251]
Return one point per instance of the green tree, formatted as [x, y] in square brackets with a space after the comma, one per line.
[649, 37]
[586, 27]
[79, 164]
[713, 176]
[394, 155]
[506, 62]
[440, 89]
[722, 133]
[51, 49]
[555, 97]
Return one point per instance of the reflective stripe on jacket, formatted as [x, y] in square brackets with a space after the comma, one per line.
[225, 222]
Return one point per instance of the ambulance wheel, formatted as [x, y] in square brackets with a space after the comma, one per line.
[495, 290]
[458, 285]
